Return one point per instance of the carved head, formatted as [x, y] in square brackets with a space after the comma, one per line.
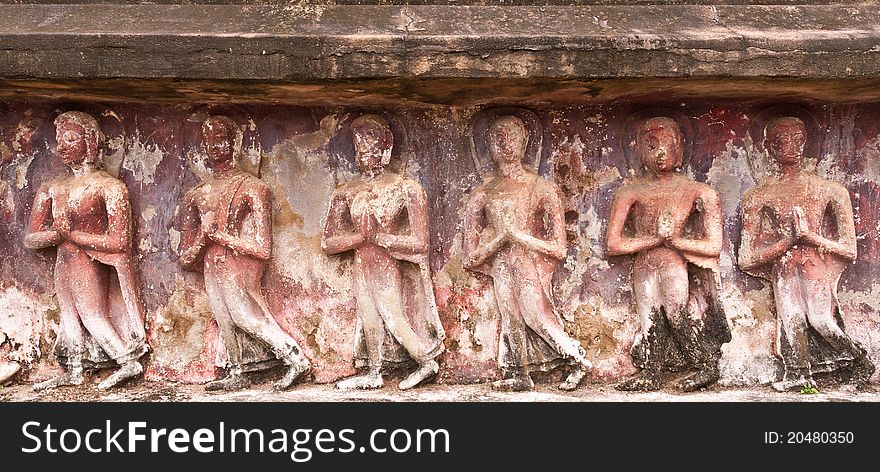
[785, 138]
[660, 144]
[508, 139]
[78, 138]
[373, 141]
[218, 135]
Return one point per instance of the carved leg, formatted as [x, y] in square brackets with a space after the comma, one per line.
[539, 315]
[700, 355]
[250, 313]
[391, 310]
[821, 307]
[648, 349]
[792, 313]
[513, 333]
[649, 378]
[235, 380]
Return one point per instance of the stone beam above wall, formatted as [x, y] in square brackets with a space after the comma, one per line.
[437, 54]
[286, 43]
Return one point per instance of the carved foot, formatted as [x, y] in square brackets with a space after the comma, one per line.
[8, 371]
[425, 371]
[361, 382]
[232, 382]
[71, 377]
[298, 369]
[577, 374]
[519, 383]
[644, 381]
[862, 371]
[699, 379]
[127, 371]
[794, 385]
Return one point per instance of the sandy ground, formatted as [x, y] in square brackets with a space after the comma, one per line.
[170, 392]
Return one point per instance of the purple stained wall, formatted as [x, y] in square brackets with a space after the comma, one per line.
[302, 153]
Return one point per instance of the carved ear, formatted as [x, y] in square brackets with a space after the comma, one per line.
[93, 146]
[388, 145]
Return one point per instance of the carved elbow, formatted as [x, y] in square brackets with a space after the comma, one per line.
[612, 249]
[120, 245]
[186, 261]
[744, 262]
[30, 242]
[468, 262]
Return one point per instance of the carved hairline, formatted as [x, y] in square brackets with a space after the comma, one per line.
[513, 119]
[370, 120]
[659, 122]
[223, 121]
[781, 120]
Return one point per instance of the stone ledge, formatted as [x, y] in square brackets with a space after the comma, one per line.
[168, 392]
[314, 43]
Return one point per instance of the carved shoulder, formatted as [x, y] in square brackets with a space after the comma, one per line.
[627, 190]
[479, 192]
[411, 186]
[111, 186]
[257, 187]
[706, 193]
[754, 196]
[837, 190]
[341, 192]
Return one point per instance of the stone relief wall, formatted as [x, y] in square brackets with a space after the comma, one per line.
[304, 153]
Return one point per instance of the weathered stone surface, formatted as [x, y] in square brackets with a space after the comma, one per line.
[316, 42]
[163, 392]
[304, 152]
[295, 74]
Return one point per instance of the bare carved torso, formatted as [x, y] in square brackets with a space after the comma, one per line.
[675, 199]
[820, 200]
[233, 201]
[383, 200]
[85, 204]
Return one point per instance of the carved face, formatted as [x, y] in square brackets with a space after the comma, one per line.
[219, 142]
[71, 143]
[372, 147]
[660, 147]
[785, 141]
[507, 140]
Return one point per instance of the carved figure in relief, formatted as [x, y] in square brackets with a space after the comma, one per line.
[8, 368]
[514, 231]
[672, 226]
[798, 232]
[382, 217]
[87, 216]
[226, 230]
